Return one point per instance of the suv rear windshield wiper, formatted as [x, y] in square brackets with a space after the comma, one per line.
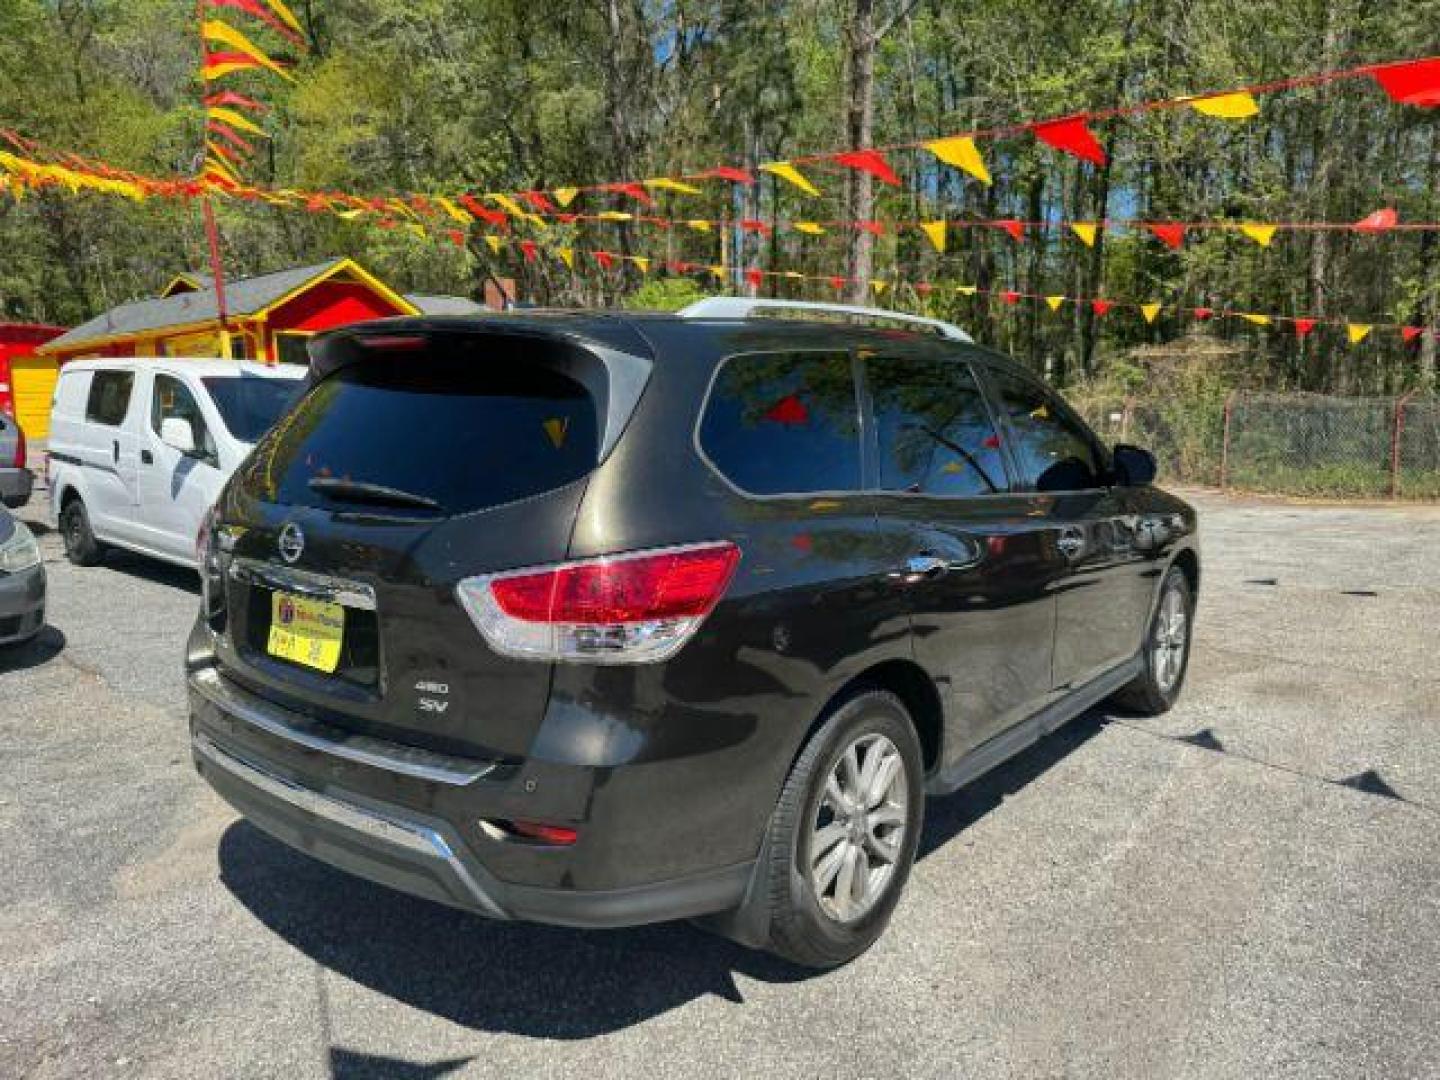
[358, 491]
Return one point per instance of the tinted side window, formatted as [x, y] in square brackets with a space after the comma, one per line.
[784, 423]
[173, 400]
[109, 397]
[1054, 452]
[934, 432]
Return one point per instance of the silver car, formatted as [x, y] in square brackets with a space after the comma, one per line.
[15, 478]
[22, 582]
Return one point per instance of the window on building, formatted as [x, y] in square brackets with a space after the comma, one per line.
[292, 348]
[784, 423]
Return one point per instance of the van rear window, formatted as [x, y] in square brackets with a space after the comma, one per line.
[461, 431]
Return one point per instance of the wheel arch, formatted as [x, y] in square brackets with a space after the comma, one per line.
[1189, 564]
[916, 690]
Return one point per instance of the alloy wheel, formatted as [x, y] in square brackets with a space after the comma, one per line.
[1168, 643]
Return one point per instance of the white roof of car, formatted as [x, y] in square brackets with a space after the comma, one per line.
[203, 366]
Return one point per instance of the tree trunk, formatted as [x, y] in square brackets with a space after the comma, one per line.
[859, 120]
[1327, 150]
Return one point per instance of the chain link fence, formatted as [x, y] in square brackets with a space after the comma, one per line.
[1287, 444]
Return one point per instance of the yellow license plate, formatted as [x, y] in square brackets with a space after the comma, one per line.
[306, 632]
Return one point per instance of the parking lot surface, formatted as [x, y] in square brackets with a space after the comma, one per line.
[1248, 886]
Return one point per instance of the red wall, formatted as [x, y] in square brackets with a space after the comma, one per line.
[330, 304]
[20, 339]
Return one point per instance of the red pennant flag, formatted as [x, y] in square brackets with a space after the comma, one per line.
[728, 172]
[1415, 82]
[483, 212]
[837, 283]
[1073, 136]
[1010, 296]
[1100, 307]
[219, 127]
[924, 288]
[230, 97]
[872, 162]
[1410, 334]
[1303, 327]
[456, 237]
[386, 223]
[254, 8]
[538, 200]
[225, 152]
[1010, 225]
[788, 410]
[604, 258]
[752, 226]
[1203, 313]
[754, 277]
[527, 248]
[1171, 235]
[635, 191]
[419, 202]
[874, 228]
[228, 61]
[567, 219]
[1379, 221]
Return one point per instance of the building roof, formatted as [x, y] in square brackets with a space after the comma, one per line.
[244, 297]
[432, 304]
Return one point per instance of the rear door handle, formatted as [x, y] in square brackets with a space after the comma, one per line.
[925, 566]
[115, 451]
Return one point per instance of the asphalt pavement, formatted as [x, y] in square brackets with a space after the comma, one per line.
[1248, 886]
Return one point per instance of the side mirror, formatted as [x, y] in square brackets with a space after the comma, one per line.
[1133, 466]
[178, 435]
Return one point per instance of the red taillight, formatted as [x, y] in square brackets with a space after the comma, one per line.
[614, 609]
[20, 450]
[546, 834]
[671, 585]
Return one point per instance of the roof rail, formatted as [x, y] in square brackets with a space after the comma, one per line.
[742, 307]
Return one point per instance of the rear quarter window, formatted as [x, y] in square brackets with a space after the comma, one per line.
[784, 423]
[109, 398]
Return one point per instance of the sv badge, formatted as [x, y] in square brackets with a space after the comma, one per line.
[432, 704]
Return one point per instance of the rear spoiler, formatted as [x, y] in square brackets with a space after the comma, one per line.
[615, 377]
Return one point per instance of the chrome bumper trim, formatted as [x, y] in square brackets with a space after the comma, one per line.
[351, 594]
[387, 830]
[407, 760]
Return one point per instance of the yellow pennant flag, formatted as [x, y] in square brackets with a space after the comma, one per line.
[786, 171]
[225, 34]
[1358, 332]
[1054, 302]
[236, 121]
[462, 216]
[1086, 231]
[511, 207]
[718, 273]
[967, 290]
[615, 215]
[699, 224]
[810, 228]
[494, 242]
[794, 274]
[284, 14]
[642, 262]
[349, 215]
[879, 287]
[220, 169]
[1237, 106]
[960, 151]
[567, 256]
[1261, 234]
[935, 230]
[416, 228]
[1150, 311]
[663, 183]
[1258, 320]
[565, 195]
[556, 429]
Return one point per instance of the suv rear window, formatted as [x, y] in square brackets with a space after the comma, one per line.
[784, 423]
[462, 429]
[109, 399]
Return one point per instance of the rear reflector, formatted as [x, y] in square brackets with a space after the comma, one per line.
[616, 609]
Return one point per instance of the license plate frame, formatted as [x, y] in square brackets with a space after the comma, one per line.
[306, 631]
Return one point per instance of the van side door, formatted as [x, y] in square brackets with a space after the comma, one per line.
[1103, 599]
[975, 561]
[109, 453]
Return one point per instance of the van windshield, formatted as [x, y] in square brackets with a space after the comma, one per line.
[451, 433]
[250, 404]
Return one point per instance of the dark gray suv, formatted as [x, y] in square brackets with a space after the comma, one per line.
[604, 619]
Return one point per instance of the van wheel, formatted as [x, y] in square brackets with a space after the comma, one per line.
[1166, 652]
[844, 833]
[81, 547]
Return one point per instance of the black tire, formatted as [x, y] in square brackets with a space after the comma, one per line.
[1151, 694]
[801, 930]
[81, 547]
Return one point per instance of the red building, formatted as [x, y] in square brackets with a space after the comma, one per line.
[27, 381]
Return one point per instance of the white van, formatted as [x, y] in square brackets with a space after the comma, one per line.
[139, 449]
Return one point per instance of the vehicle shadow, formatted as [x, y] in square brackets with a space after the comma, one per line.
[153, 570]
[37, 652]
[539, 981]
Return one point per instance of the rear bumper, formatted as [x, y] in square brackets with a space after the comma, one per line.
[22, 605]
[404, 848]
[16, 486]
